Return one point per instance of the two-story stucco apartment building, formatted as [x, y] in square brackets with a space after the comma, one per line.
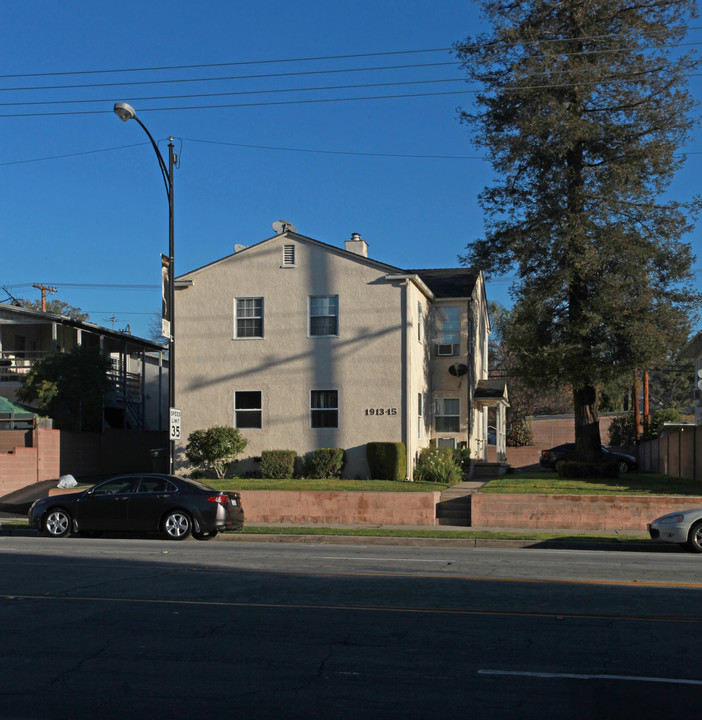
[304, 345]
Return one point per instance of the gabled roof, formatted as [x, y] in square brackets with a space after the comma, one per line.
[293, 236]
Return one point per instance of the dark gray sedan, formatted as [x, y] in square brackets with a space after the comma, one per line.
[141, 503]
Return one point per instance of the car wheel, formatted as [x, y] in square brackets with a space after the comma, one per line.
[177, 525]
[694, 538]
[623, 466]
[204, 535]
[556, 465]
[57, 523]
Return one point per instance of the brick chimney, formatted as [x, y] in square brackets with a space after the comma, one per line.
[357, 245]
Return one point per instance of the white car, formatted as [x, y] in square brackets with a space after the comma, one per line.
[683, 527]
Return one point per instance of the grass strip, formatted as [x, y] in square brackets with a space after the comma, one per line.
[628, 484]
[431, 533]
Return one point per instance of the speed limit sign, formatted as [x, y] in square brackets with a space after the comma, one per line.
[174, 424]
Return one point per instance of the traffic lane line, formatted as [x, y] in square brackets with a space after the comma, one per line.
[358, 608]
[588, 676]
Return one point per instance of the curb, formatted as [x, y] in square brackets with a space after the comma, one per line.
[467, 542]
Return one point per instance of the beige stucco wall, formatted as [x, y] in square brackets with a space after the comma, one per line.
[474, 333]
[419, 348]
[363, 363]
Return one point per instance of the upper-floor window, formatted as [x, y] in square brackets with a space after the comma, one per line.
[324, 315]
[420, 322]
[249, 318]
[324, 409]
[247, 409]
[288, 255]
[448, 330]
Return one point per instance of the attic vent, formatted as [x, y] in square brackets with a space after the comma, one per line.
[288, 255]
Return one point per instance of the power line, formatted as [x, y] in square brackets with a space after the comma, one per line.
[227, 64]
[243, 105]
[232, 77]
[240, 92]
[339, 152]
[91, 286]
[272, 75]
[347, 56]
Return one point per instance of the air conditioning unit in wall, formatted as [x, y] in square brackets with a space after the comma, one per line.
[445, 350]
[449, 442]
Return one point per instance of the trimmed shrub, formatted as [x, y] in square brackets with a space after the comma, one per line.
[215, 449]
[387, 460]
[278, 464]
[437, 464]
[577, 469]
[327, 463]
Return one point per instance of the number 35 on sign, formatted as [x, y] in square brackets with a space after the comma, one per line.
[174, 424]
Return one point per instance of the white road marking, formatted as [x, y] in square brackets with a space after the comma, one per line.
[580, 676]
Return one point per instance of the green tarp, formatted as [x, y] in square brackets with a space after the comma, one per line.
[15, 408]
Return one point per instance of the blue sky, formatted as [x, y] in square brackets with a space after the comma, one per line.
[83, 205]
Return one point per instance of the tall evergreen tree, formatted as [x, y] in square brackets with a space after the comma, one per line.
[582, 109]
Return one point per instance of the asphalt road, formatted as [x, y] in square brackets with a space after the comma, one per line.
[148, 629]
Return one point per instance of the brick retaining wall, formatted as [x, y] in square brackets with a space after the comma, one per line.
[528, 512]
[343, 508]
[573, 512]
[26, 465]
[334, 508]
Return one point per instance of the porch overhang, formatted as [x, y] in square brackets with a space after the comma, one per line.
[491, 393]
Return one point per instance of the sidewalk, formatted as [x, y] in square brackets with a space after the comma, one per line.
[456, 536]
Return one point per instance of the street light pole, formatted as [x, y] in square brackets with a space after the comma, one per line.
[125, 112]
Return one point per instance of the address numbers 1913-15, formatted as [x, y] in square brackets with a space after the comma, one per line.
[381, 411]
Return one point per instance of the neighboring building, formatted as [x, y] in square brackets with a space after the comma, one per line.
[139, 375]
[304, 345]
[693, 350]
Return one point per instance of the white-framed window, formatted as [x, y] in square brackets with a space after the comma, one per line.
[324, 315]
[447, 415]
[288, 256]
[247, 409]
[324, 408]
[420, 322]
[448, 330]
[420, 416]
[249, 317]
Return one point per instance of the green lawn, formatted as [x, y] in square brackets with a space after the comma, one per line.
[539, 483]
[547, 483]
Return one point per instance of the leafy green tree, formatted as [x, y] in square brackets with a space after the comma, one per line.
[215, 449]
[69, 387]
[622, 431]
[57, 307]
[582, 109]
[524, 400]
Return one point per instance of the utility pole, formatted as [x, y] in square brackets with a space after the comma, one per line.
[635, 403]
[44, 289]
[646, 409]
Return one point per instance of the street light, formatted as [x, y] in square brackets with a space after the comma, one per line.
[125, 112]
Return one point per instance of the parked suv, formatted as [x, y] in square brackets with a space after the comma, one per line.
[551, 458]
